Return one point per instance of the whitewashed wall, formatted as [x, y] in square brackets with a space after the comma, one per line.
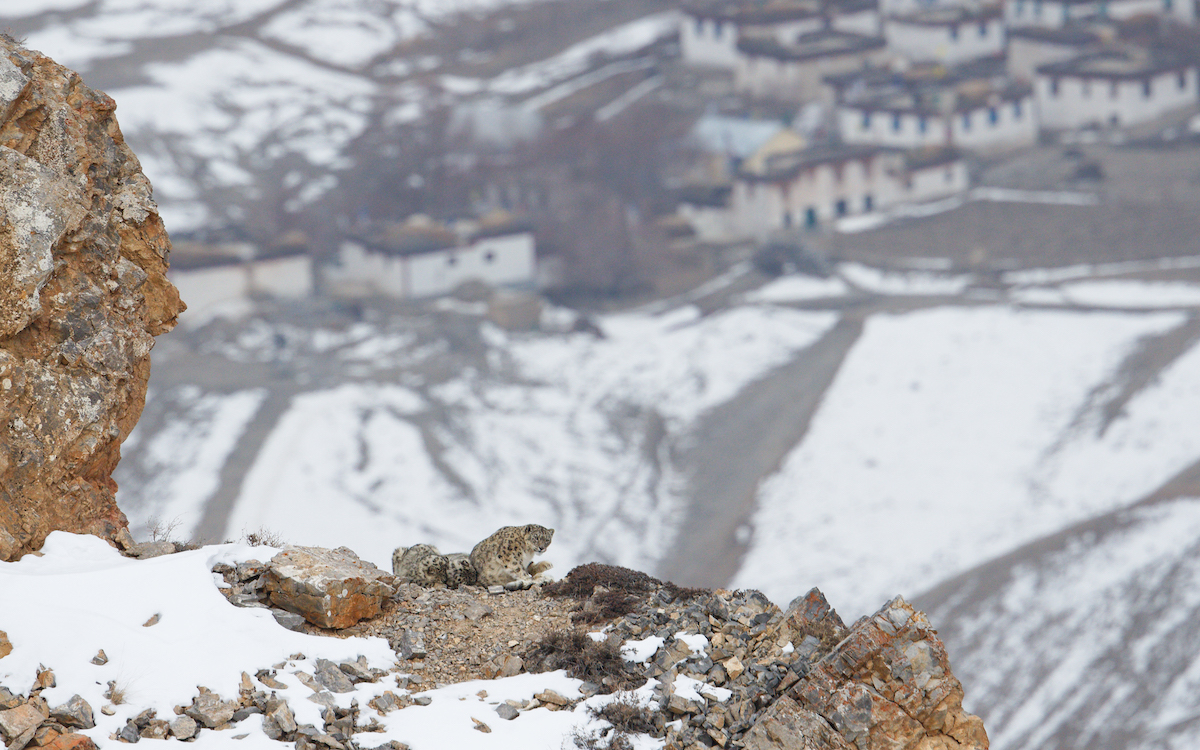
[1080, 101]
[707, 42]
[797, 80]
[937, 181]
[948, 43]
[898, 129]
[1007, 125]
[503, 260]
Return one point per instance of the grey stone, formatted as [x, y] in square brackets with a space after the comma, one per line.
[476, 611]
[289, 620]
[209, 710]
[184, 727]
[74, 713]
[129, 733]
[147, 550]
[156, 729]
[24, 718]
[510, 666]
[100, 659]
[422, 700]
[249, 569]
[412, 645]
[332, 677]
[279, 722]
[507, 711]
[323, 698]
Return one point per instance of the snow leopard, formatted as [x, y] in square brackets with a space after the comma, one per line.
[460, 571]
[503, 559]
[420, 563]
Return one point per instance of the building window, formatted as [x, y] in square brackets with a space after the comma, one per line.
[922, 124]
[840, 208]
[1147, 88]
[1168, 5]
[489, 257]
[1182, 80]
[993, 115]
[949, 175]
[954, 31]
[966, 121]
[866, 121]
[1037, 8]
[451, 260]
[868, 203]
[1017, 113]
[896, 122]
[787, 219]
[1054, 87]
[1020, 8]
[1087, 89]
[810, 217]
[983, 28]
[718, 27]
[699, 27]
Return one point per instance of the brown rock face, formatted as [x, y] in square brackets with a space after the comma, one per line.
[83, 291]
[329, 588]
[888, 685]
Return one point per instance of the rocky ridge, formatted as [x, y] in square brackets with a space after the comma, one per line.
[724, 668]
[83, 292]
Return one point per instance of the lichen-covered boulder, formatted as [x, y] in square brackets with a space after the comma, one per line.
[329, 588]
[888, 685]
[83, 291]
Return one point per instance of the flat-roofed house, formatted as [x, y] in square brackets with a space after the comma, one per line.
[709, 30]
[950, 35]
[1030, 47]
[1114, 88]
[769, 69]
[1058, 13]
[423, 259]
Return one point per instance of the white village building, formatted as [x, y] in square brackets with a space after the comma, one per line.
[1113, 89]
[1030, 47]
[769, 69]
[420, 259]
[950, 35]
[1058, 13]
[709, 31]
[215, 284]
[929, 106]
[811, 187]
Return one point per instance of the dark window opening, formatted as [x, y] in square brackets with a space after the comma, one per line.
[841, 208]
[993, 115]
[896, 122]
[868, 203]
[966, 120]
[1147, 88]
[489, 256]
[922, 124]
[810, 217]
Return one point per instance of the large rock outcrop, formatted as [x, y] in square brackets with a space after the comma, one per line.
[83, 291]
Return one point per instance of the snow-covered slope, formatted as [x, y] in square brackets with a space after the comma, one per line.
[952, 435]
[1087, 639]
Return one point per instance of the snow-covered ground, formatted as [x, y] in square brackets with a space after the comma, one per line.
[1113, 293]
[952, 435]
[82, 596]
[555, 432]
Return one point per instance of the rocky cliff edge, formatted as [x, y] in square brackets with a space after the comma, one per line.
[83, 291]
